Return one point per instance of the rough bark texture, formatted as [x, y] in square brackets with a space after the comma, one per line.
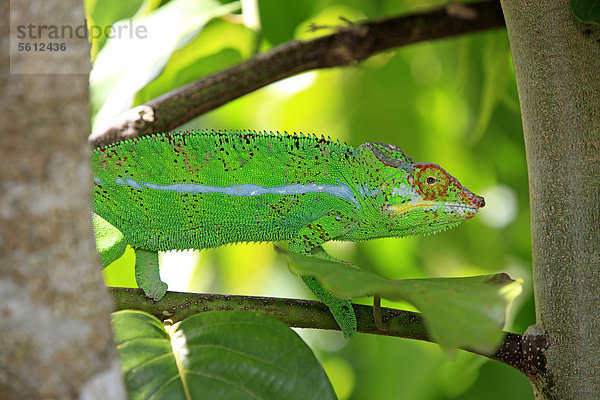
[55, 338]
[557, 64]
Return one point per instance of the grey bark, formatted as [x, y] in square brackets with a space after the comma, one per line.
[55, 337]
[557, 64]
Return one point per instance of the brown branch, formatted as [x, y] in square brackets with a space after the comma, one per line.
[523, 352]
[347, 46]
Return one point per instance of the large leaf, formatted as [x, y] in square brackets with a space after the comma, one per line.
[127, 63]
[216, 355]
[459, 312]
[586, 10]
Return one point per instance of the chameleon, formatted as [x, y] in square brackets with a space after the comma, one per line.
[203, 189]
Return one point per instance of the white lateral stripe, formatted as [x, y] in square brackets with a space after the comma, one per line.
[247, 189]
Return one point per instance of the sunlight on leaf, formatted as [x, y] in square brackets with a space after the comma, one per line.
[101, 15]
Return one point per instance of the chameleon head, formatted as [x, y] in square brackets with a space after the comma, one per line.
[431, 200]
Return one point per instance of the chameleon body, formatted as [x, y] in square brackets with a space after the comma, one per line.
[203, 189]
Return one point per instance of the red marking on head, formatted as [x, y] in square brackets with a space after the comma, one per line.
[432, 183]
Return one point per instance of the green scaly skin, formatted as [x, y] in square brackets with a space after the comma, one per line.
[203, 189]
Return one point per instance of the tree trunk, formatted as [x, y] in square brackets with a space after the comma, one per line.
[55, 337]
[557, 64]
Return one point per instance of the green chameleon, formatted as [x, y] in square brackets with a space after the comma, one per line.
[203, 189]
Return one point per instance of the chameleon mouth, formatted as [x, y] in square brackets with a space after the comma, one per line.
[467, 211]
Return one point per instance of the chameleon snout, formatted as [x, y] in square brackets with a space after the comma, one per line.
[476, 200]
[471, 199]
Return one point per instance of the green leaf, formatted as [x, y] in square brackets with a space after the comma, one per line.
[216, 355]
[129, 62]
[586, 10]
[459, 312]
[279, 19]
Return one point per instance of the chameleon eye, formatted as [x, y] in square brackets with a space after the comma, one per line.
[432, 181]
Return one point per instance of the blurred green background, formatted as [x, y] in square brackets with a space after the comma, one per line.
[452, 102]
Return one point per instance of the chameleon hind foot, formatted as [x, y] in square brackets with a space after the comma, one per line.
[377, 314]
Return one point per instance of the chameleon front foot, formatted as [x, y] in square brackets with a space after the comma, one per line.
[147, 274]
[341, 309]
[154, 290]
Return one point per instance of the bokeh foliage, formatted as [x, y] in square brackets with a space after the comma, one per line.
[452, 102]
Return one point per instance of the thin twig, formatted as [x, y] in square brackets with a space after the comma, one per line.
[348, 46]
[518, 351]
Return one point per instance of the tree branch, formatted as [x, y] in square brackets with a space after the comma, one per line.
[349, 45]
[523, 352]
